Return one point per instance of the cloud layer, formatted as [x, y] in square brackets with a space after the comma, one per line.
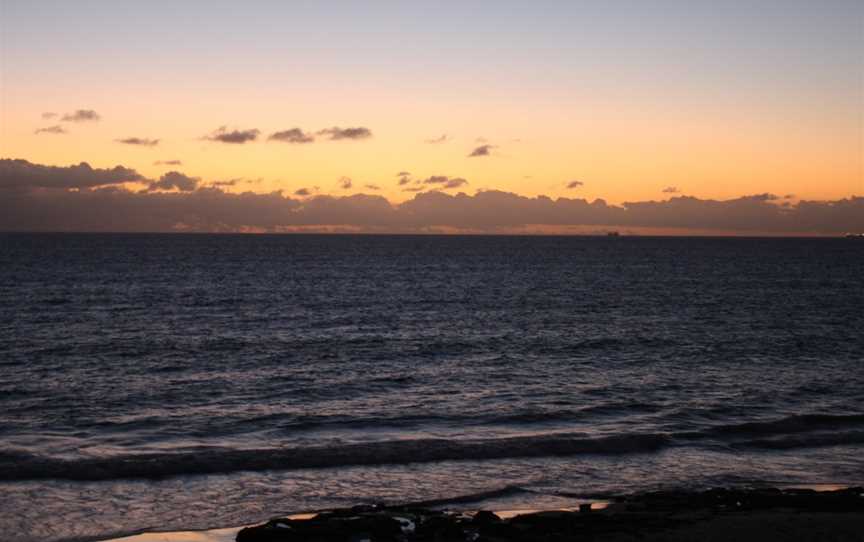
[174, 180]
[291, 135]
[294, 135]
[81, 198]
[81, 115]
[335, 133]
[57, 129]
[445, 182]
[143, 142]
[235, 137]
[482, 150]
[21, 175]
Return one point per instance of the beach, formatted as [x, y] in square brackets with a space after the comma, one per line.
[764, 514]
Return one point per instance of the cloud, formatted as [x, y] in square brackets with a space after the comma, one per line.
[205, 210]
[81, 198]
[48, 115]
[234, 182]
[335, 133]
[372, 186]
[574, 184]
[81, 115]
[671, 190]
[21, 174]
[294, 135]
[303, 192]
[172, 180]
[138, 141]
[51, 130]
[482, 150]
[168, 163]
[403, 174]
[445, 182]
[444, 138]
[235, 137]
[229, 182]
[345, 183]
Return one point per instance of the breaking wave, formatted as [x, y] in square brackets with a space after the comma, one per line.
[28, 467]
[803, 431]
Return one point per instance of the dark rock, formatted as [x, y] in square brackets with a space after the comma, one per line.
[648, 516]
[499, 531]
[545, 524]
[485, 517]
[339, 527]
[442, 529]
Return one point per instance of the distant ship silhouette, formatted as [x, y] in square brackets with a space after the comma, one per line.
[613, 234]
[854, 236]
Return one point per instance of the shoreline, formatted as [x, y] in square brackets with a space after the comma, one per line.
[789, 512]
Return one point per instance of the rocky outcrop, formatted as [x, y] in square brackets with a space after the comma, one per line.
[672, 515]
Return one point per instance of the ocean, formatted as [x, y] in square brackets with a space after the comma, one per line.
[197, 381]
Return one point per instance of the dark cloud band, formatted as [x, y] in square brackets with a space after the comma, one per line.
[36, 197]
[24, 175]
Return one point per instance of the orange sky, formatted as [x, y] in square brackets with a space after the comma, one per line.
[626, 120]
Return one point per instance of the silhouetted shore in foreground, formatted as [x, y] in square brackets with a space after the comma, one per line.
[713, 515]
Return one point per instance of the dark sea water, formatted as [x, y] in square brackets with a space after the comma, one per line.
[190, 381]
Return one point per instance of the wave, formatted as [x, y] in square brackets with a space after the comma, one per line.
[802, 423]
[466, 498]
[792, 424]
[800, 431]
[806, 441]
[290, 422]
[15, 467]
[321, 422]
[789, 433]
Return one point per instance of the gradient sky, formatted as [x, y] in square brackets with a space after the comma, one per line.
[717, 99]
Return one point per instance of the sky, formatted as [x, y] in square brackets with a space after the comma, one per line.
[624, 101]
